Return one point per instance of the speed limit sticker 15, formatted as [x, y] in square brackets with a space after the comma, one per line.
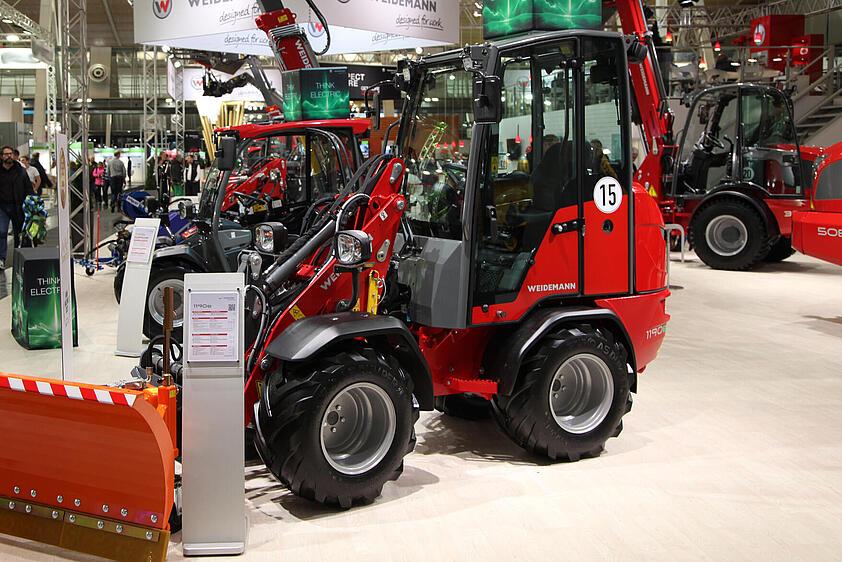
[607, 195]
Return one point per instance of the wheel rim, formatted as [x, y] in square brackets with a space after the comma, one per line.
[726, 235]
[155, 302]
[358, 428]
[581, 393]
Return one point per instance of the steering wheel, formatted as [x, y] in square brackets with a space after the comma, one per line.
[709, 140]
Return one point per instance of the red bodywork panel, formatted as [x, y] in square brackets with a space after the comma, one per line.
[645, 319]
[650, 245]
[252, 130]
[818, 234]
[817, 231]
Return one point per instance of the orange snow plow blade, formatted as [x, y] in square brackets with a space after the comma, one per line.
[87, 468]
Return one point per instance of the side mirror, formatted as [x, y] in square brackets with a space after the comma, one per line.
[186, 210]
[376, 111]
[488, 106]
[270, 237]
[226, 154]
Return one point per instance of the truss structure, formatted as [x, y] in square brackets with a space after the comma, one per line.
[149, 86]
[726, 20]
[178, 101]
[47, 40]
[72, 27]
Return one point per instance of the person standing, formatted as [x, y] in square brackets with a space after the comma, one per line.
[100, 191]
[32, 173]
[45, 179]
[192, 176]
[117, 174]
[164, 176]
[14, 187]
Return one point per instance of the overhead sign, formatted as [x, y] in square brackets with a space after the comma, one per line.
[355, 25]
[193, 89]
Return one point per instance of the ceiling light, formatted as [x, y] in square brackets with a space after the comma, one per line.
[12, 37]
[735, 64]
[7, 20]
[16, 99]
[751, 60]
[419, 50]
[168, 100]
[777, 59]
[177, 64]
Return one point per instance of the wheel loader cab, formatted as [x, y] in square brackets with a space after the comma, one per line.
[506, 205]
[739, 134]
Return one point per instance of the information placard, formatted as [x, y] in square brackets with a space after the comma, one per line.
[213, 325]
[142, 243]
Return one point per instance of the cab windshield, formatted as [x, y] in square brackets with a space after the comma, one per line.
[436, 149]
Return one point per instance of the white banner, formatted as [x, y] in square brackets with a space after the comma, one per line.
[65, 257]
[193, 89]
[228, 26]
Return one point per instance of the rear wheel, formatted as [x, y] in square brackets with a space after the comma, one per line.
[465, 406]
[730, 234]
[336, 430]
[781, 250]
[159, 280]
[570, 397]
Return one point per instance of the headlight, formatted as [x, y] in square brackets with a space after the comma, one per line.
[270, 237]
[352, 247]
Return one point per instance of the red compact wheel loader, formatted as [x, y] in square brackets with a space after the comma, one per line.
[736, 176]
[454, 271]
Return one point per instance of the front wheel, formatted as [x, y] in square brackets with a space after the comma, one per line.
[730, 235]
[160, 279]
[570, 397]
[336, 430]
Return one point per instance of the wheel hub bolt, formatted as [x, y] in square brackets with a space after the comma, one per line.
[333, 430]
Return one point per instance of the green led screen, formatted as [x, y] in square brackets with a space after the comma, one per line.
[316, 93]
[509, 17]
[36, 299]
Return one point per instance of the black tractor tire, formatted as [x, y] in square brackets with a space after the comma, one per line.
[758, 240]
[118, 281]
[293, 411]
[167, 275]
[527, 416]
[781, 250]
[464, 406]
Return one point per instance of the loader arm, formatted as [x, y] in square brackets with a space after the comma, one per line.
[289, 43]
[650, 98]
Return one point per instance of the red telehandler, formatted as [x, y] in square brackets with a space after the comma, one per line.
[817, 231]
[444, 274]
[736, 175]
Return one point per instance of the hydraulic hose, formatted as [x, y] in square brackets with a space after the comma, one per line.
[284, 268]
[323, 21]
[258, 343]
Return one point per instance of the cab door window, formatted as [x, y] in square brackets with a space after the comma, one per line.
[532, 173]
[706, 159]
[769, 152]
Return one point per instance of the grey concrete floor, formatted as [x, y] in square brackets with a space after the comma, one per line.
[733, 450]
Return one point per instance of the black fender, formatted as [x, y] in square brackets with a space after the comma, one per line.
[180, 255]
[309, 337]
[505, 358]
[754, 196]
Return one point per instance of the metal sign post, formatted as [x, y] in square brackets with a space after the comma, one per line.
[135, 285]
[213, 465]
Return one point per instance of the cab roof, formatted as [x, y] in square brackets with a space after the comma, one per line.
[252, 130]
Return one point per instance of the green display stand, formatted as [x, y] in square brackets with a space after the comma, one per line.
[36, 299]
[316, 93]
[509, 17]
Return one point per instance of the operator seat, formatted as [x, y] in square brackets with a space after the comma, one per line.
[551, 190]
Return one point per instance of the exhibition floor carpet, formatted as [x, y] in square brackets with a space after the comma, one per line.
[733, 450]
